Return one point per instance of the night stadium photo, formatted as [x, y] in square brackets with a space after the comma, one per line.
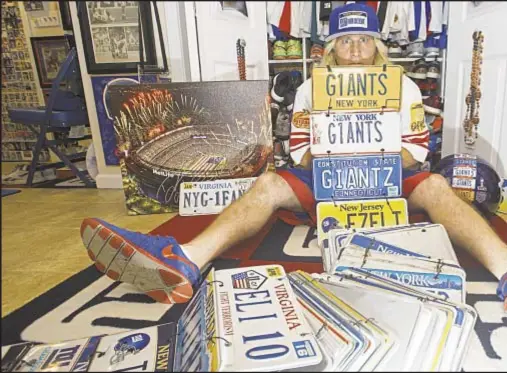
[171, 133]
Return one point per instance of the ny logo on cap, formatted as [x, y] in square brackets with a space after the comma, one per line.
[353, 19]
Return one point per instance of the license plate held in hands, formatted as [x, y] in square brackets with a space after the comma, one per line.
[349, 133]
[360, 214]
[211, 197]
[357, 177]
[358, 88]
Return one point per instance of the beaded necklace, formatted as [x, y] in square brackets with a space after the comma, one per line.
[471, 121]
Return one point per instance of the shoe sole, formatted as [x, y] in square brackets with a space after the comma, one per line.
[123, 261]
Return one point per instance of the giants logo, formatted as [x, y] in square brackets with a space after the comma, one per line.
[301, 119]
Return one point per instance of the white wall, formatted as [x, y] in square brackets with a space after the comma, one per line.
[172, 19]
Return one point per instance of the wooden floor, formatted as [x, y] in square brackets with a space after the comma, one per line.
[41, 244]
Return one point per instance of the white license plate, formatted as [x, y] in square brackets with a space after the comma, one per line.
[350, 133]
[260, 317]
[211, 197]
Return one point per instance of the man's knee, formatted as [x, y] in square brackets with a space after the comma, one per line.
[437, 183]
[433, 186]
[268, 182]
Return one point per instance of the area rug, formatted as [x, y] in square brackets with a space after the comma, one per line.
[9, 192]
[89, 303]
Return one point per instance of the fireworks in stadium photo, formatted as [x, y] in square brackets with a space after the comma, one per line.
[182, 132]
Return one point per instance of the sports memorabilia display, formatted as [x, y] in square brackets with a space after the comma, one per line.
[173, 133]
[473, 179]
[356, 143]
[350, 133]
[242, 319]
[148, 349]
[357, 88]
[18, 86]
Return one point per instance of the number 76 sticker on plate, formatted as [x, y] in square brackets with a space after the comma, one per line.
[359, 214]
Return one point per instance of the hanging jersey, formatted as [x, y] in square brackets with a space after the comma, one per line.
[415, 133]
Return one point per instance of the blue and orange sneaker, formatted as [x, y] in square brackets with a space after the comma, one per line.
[154, 264]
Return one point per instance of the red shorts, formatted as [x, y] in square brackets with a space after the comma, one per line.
[301, 182]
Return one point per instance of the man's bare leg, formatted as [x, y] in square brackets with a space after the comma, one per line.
[243, 218]
[465, 226]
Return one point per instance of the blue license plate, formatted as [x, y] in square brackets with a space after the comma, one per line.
[357, 177]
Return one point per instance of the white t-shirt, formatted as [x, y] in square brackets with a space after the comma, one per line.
[415, 137]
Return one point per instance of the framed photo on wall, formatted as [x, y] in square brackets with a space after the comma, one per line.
[111, 32]
[49, 53]
[65, 15]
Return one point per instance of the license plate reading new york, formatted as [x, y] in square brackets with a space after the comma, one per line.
[358, 177]
[349, 133]
[211, 197]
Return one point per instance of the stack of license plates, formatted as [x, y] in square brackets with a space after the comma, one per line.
[355, 141]
[403, 290]
[242, 319]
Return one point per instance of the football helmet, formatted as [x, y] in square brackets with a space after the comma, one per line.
[473, 179]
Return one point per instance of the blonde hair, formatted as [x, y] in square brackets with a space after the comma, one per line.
[328, 57]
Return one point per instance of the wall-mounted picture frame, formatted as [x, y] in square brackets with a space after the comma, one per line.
[111, 32]
[49, 53]
[65, 15]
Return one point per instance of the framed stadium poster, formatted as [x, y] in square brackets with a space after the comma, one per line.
[173, 133]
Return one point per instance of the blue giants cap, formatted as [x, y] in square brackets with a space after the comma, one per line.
[353, 19]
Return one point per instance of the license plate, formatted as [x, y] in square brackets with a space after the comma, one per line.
[349, 133]
[358, 177]
[211, 197]
[364, 88]
[260, 317]
[360, 214]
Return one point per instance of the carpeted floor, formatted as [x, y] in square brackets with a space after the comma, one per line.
[91, 304]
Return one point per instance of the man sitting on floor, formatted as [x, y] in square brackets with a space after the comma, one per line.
[166, 271]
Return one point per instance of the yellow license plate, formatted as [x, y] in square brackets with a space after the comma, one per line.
[360, 88]
[360, 214]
